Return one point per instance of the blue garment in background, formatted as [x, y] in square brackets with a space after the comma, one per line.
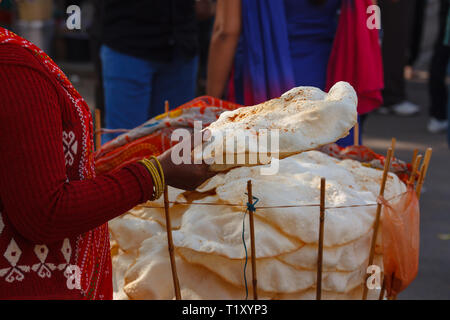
[136, 89]
[311, 31]
[283, 44]
[262, 66]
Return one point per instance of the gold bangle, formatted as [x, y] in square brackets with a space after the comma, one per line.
[157, 174]
[161, 172]
[156, 178]
[159, 179]
[157, 183]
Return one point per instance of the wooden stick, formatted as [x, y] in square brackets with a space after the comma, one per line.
[383, 289]
[252, 240]
[166, 107]
[98, 127]
[393, 145]
[356, 134]
[393, 297]
[321, 231]
[423, 171]
[387, 165]
[416, 164]
[176, 283]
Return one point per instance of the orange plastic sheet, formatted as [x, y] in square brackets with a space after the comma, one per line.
[400, 238]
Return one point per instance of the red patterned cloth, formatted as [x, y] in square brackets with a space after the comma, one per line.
[54, 240]
[356, 56]
[369, 158]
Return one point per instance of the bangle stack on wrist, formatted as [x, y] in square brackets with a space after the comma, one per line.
[157, 175]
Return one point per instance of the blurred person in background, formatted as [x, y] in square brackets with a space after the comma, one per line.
[438, 72]
[35, 22]
[95, 37]
[416, 35]
[5, 13]
[205, 10]
[260, 49]
[396, 17]
[149, 55]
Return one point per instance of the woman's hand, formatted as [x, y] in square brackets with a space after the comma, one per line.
[184, 176]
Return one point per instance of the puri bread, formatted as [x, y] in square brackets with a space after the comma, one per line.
[129, 231]
[273, 275]
[208, 239]
[151, 278]
[298, 183]
[121, 262]
[219, 231]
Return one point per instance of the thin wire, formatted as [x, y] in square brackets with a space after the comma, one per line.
[271, 207]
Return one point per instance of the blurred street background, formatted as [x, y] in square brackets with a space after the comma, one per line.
[73, 52]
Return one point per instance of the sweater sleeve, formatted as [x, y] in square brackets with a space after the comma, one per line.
[35, 196]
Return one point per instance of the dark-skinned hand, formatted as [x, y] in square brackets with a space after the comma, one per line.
[185, 176]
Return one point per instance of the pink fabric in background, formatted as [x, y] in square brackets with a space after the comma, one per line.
[356, 56]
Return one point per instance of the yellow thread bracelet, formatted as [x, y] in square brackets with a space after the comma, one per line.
[156, 176]
[161, 172]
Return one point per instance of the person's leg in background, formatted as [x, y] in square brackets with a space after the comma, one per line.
[438, 72]
[174, 81]
[396, 19]
[94, 32]
[417, 31]
[204, 36]
[205, 11]
[127, 87]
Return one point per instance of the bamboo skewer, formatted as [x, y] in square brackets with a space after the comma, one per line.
[166, 107]
[393, 145]
[252, 241]
[356, 134]
[416, 164]
[176, 283]
[98, 127]
[321, 232]
[387, 165]
[423, 171]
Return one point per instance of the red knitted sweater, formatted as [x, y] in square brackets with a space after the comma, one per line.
[45, 205]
